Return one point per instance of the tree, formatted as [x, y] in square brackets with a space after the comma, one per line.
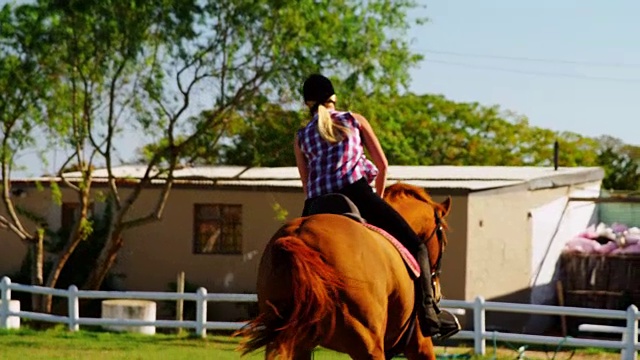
[432, 130]
[621, 165]
[621, 172]
[23, 85]
[414, 130]
[140, 66]
[263, 138]
[86, 56]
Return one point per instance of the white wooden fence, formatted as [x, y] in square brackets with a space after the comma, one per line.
[479, 334]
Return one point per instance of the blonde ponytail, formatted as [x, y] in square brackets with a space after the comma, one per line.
[328, 129]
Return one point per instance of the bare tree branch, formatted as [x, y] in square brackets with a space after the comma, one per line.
[6, 224]
[223, 71]
[156, 214]
[187, 95]
[61, 173]
[196, 59]
[15, 225]
[110, 131]
[146, 179]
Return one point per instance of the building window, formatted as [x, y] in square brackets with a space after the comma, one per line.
[71, 213]
[217, 229]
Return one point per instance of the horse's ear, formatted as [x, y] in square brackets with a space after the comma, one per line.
[446, 205]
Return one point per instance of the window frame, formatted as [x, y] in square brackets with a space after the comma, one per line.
[227, 226]
[73, 206]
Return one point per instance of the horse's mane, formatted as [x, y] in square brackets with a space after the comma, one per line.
[399, 190]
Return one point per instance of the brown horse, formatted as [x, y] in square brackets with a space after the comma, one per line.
[327, 280]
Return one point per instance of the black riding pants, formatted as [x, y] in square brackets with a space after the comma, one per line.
[377, 212]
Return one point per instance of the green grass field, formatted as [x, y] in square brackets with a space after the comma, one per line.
[57, 343]
[60, 344]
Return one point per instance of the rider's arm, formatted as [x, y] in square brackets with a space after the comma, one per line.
[301, 163]
[375, 150]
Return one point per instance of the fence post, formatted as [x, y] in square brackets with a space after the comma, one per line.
[180, 302]
[5, 291]
[479, 343]
[201, 313]
[73, 304]
[631, 337]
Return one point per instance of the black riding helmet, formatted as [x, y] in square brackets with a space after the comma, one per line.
[317, 88]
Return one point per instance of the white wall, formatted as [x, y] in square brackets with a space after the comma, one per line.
[552, 225]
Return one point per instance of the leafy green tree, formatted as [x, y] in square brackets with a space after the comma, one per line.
[621, 171]
[621, 164]
[23, 85]
[74, 66]
[415, 130]
[149, 66]
[261, 137]
[265, 138]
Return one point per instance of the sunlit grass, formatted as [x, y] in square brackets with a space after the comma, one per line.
[58, 343]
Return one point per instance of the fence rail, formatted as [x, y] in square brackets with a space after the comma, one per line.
[628, 345]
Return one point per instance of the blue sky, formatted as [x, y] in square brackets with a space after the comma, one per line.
[563, 92]
[587, 99]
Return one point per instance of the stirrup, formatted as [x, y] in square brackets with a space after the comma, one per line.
[449, 325]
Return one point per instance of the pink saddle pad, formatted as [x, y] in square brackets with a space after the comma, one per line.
[409, 260]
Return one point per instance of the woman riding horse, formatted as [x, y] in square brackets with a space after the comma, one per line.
[330, 158]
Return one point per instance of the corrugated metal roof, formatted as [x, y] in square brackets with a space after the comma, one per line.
[396, 172]
[289, 172]
[523, 173]
[125, 171]
[262, 183]
[473, 185]
[472, 178]
[210, 172]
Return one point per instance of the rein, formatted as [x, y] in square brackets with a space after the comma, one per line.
[437, 232]
[410, 326]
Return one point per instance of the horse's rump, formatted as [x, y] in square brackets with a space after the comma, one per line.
[309, 269]
[298, 304]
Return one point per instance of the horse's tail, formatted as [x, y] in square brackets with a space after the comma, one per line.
[311, 305]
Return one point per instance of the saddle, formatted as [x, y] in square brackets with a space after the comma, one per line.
[339, 204]
[336, 204]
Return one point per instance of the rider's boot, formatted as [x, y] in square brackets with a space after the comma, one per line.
[433, 321]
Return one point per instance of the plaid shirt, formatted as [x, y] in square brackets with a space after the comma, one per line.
[334, 166]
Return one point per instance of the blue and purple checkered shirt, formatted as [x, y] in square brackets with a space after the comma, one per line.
[334, 166]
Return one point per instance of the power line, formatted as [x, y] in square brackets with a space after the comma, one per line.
[546, 60]
[537, 73]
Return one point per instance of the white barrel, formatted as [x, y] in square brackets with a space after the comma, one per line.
[13, 322]
[130, 310]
